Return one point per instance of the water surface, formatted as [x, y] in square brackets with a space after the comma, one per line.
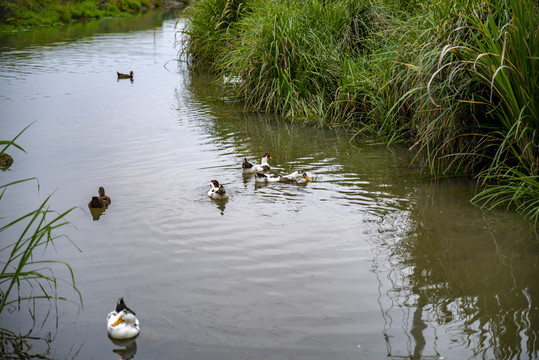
[367, 261]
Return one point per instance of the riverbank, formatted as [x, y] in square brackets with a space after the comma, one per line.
[456, 81]
[15, 14]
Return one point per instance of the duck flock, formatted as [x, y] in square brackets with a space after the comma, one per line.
[218, 192]
[122, 324]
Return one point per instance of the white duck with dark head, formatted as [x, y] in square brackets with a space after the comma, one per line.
[248, 168]
[122, 323]
[296, 176]
[217, 191]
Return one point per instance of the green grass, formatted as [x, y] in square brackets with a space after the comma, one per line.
[19, 268]
[455, 80]
[209, 25]
[26, 276]
[15, 14]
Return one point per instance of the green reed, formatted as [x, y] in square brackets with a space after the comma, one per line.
[19, 265]
[23, 277]
[206, 33]
[484, 94]
[507, 62]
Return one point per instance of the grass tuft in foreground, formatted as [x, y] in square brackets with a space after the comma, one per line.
[26, 277]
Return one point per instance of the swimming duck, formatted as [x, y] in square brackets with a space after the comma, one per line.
[96, 203]
[125, 76]
[214, 185]
[295, 176]
[122, 322]
[104, 198]
[249, 168]
[217, 191]
[220, 194]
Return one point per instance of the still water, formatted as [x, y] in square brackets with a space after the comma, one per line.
[367, 261]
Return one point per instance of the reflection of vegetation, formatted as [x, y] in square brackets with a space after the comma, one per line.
[23, 277]
[76, 30]
[479, 280]
[458, 80]
[491, 292]
[14, 346]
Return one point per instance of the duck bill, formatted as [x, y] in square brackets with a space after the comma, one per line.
[307, 178]
[120, 320]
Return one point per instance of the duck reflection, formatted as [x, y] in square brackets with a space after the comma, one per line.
[259, 185]
[96, 211]
[221, 205]
[99, 204]
[128, 350]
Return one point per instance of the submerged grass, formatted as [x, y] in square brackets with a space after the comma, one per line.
[456, 80]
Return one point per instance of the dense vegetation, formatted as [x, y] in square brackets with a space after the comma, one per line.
[22, 13]
[456, 80]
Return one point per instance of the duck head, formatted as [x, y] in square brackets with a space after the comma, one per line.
[299, 174]
[214, 184]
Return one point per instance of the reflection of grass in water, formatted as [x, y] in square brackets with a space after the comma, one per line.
[17, 14]
[14, 346]
[73, 31]
[474, 278]
[23, 277]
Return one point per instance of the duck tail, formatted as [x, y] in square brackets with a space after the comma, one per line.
[246, 164]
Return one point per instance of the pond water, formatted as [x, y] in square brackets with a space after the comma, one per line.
[366, 261]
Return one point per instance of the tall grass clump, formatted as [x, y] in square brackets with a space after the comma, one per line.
[484, 93]
[423, 100]
[206, 33]
[367, 89]
[289, 55]
[505, 60]
[272, 52]
[26, 277]
[466, 75]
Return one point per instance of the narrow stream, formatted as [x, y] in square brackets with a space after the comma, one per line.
[366, 261]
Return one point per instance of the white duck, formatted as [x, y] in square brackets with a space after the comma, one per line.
[295, 176]
[249, 168]
[122, 322]
[217, 191]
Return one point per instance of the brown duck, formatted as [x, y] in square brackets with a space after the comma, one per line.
[125, 76]
[102, 197]
[99, 201]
